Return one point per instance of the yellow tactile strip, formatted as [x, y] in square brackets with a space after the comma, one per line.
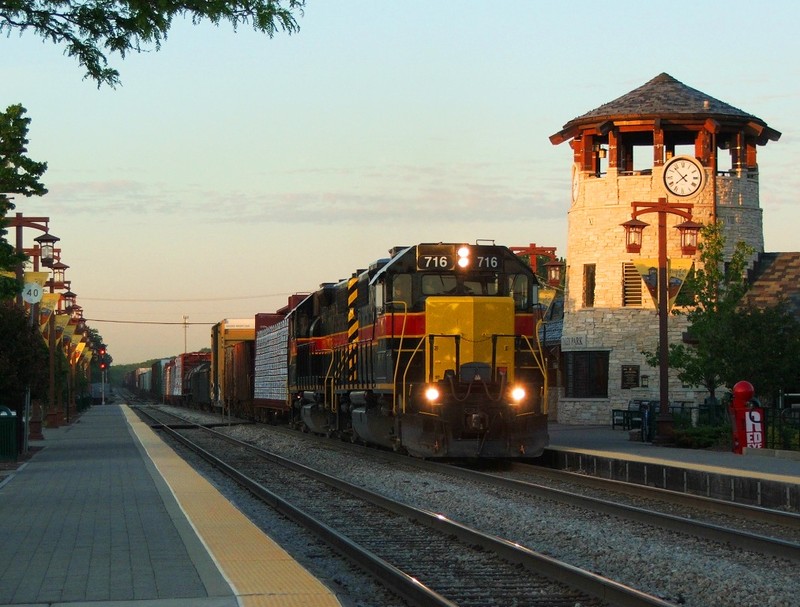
[260, 572]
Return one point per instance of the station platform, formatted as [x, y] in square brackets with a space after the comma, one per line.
[761, 477]
[106, 513]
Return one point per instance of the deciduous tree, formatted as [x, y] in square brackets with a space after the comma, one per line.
[766, 350]
[92, 29]
[18, 175]
[23, 356]
[716, 291]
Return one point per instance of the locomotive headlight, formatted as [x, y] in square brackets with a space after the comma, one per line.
[432, 394]
[463, 257]
[517, 394]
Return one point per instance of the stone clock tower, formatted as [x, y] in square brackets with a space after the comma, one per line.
[662, 143]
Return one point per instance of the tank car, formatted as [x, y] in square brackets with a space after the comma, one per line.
[432, 352]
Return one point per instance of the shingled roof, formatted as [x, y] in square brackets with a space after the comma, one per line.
[775, 278]
[666, 98]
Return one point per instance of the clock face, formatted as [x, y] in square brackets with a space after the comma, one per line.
[683, 176]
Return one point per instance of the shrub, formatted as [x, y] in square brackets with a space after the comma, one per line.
[703, 437]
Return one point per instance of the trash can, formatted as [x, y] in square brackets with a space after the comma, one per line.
[8, 434]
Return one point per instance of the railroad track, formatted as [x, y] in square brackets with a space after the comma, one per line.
[761, 530]
[423, 556]
[756, 529]
[762, 521]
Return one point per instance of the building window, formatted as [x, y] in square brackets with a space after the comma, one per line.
[588, 285]
[586, 374]
[631, 285]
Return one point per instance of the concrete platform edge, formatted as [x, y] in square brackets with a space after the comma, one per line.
[210, 573]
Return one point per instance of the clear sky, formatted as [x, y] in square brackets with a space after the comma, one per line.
[230, 169]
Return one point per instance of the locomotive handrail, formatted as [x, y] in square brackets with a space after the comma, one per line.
[405, 373]
[329, 376]
[399, 349]
[542, 367]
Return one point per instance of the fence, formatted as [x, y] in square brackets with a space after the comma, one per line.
[783, 428]
[783, 425]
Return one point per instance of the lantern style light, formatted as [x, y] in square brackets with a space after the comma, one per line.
[69, 300]
[58, 274]
[633, 234]
[689, 231]
[47, 243]
[554, 272]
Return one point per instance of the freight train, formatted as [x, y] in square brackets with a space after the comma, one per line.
[433, 351]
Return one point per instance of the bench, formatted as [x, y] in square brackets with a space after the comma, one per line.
[631, 418]
[624, 418]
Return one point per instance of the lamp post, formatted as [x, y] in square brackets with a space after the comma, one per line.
[633, 242]
[44, 252]
[57, 281]
[553, 266]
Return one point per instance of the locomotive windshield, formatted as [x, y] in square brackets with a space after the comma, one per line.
[451, 284]
[517, 286]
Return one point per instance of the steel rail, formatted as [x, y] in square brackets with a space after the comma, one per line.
[590, 583]
[709, 531]
[741, 539]
[396, 580]
[759, 513]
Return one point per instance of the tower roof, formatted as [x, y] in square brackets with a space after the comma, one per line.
[776, 278]
[664, 97]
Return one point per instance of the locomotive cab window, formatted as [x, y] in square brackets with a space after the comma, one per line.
[451, 284]
[401, 290]
[376, 296]
[519, 287]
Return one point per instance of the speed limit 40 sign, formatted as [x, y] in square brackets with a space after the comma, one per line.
[31, 293]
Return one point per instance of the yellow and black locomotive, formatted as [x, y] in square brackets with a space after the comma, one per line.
[433, 352]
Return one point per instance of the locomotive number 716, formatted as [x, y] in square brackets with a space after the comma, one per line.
[438, 262]
[489, 262]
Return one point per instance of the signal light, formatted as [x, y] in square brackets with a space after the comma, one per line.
[517, 394]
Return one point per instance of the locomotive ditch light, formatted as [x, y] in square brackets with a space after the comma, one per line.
[517, 394]
[463, 257]
[432, 394]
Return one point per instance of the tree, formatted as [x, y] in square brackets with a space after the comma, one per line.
[716, 291]
[766, 351]
[23, 356]
[18, 175]
[93, 28]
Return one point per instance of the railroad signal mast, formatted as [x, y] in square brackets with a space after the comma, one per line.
[103, 364]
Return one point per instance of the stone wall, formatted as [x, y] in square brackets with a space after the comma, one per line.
[595, 236]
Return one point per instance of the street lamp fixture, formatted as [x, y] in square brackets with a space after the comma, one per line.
[47, 244]
[76, 312]
[689, 232]
[69, 300]
[633, 243]
[555, 270]
[58, 269]
[633, 234]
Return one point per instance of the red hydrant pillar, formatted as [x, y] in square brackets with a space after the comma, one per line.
[747, 420]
